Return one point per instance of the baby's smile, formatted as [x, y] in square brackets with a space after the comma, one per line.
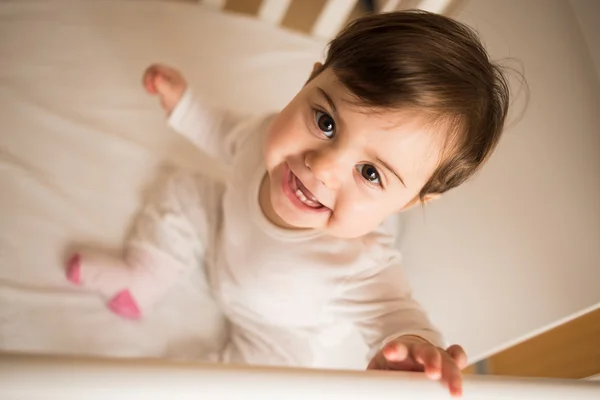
[302, 193]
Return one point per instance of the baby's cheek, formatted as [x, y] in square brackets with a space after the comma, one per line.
[356, 218]
[274, 153]
[280, 141]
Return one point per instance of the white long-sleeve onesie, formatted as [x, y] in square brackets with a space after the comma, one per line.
[289, 295]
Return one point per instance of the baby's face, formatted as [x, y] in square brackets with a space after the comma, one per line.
[334, 166]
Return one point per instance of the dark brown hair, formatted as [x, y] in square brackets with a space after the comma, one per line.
[433, 64]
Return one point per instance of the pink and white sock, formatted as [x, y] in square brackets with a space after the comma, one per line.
[133, 285]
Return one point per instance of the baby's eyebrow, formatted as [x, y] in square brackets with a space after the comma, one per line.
[328, 99]
[391, 169]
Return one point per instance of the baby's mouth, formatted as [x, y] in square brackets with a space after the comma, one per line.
[303, 194]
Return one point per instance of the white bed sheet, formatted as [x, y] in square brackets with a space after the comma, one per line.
[80, 142]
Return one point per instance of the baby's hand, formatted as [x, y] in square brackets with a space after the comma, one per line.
[167, 82]
[410, 353]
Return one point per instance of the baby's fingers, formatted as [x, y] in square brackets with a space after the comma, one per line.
[148, 79]
[429, 356]
[451, 377]
[158, 75]
[458, 355]
[396, 352]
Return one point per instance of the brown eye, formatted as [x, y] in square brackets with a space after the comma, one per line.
[325, 123]
[370, 173]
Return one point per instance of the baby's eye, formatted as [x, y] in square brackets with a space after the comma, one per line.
[325, 123]
[370, 173]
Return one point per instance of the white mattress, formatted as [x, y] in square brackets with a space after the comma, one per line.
[80, 142]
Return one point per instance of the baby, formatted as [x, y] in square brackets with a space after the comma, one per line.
[295, 244]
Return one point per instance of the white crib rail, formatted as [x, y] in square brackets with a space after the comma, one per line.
[334, 13]
[28, 377]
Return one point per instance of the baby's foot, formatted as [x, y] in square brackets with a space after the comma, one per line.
[167, 82]
[125, 305]
[108, 276]
[134, 285]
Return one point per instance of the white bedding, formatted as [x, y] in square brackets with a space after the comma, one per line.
[80, 142]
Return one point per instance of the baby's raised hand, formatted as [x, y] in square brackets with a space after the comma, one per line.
[410, 353]
[167, 83]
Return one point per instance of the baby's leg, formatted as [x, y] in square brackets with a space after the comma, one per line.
[170, 238]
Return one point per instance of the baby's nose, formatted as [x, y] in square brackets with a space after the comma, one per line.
[329, 167]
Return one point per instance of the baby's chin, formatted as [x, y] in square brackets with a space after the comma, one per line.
[347, 228]
[331, 226]
[344, 234]
[298, 223]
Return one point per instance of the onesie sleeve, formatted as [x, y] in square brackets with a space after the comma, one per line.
[215, 131]
[379, 302]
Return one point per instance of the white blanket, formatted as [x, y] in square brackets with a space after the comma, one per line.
[80, 142]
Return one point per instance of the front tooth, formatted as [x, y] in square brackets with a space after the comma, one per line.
[300, 196]
[304, 199]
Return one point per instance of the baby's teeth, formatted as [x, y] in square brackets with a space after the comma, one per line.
[304, 199]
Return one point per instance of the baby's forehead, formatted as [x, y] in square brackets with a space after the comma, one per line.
[398, 121]
[388, 117]
[397, 118]
[408, 133]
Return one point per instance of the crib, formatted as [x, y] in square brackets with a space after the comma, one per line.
[36, 377]
[72, 111]
[323, 19]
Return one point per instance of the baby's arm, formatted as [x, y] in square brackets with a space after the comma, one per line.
[380, 303]
[396, 328]
[211, 129]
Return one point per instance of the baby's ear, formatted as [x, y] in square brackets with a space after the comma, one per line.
[429, 197]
